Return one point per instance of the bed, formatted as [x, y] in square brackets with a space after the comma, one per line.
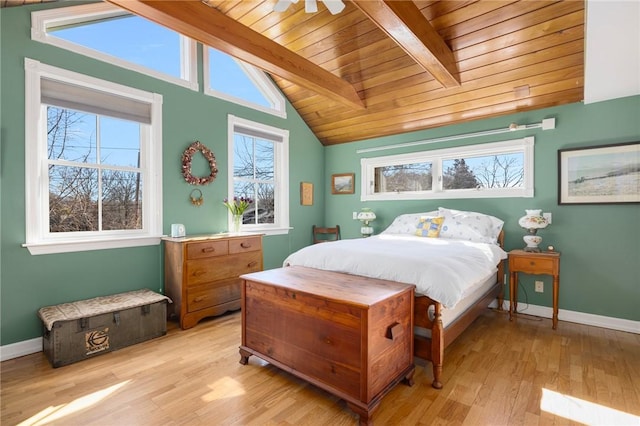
[455, 259]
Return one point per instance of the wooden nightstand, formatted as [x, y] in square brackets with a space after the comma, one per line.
[547, 263]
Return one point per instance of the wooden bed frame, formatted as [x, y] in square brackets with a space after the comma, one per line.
[432, 349]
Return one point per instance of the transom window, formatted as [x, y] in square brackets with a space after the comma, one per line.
[501, 169]
[258, 169]
[93, 162]
[235, 81]
[110, 34]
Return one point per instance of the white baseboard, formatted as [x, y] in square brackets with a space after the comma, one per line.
[15, 350]
[577, 317]
[27, 347]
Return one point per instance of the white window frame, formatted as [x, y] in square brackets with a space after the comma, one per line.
[43, 20]
[38, 238]
[436, 157]
[259, 78]
[281, 166]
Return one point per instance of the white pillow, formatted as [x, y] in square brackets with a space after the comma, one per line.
[406, 223]
[470, 226]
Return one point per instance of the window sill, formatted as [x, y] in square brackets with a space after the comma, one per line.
[54, 247]
[266, 231]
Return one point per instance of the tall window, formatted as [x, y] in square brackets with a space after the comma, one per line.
[258, 169]
[93, 162]
[95, 178]
[235, 81]
[110, 34]
[501, 169]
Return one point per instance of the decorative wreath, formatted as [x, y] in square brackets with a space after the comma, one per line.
[186, 164]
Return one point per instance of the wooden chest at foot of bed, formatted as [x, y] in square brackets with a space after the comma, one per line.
[349, 335]
[80, 330]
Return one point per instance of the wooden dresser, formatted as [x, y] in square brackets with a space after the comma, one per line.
[349, 335]
[201, 273]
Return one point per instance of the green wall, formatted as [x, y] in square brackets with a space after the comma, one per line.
[599, 244]
[600, 266]
[29, 282]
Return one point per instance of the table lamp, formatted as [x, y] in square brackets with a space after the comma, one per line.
[532, 221]
[365, 216]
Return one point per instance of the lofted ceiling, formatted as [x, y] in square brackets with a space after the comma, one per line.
[384, 67]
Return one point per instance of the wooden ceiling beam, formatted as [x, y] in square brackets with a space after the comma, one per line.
[407, 26]
[207, 25]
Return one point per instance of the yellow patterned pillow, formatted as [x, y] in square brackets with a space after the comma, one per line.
[429, 227]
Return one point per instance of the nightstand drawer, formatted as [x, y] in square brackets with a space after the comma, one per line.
[531, 265]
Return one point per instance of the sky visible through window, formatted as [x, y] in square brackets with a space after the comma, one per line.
[130, 38]
[227, 77]
[145, 43]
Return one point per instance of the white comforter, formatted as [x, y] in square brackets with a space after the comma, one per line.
[442, 269]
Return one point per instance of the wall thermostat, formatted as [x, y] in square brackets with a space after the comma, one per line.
[177, 230]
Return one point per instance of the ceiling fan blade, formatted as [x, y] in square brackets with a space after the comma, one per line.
[334, 6]
[282, 5]
[310, 6]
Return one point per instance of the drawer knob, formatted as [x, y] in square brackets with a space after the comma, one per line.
[198, 299]
[252, 264]
[208, 250]
[532, 263]
[245, 245]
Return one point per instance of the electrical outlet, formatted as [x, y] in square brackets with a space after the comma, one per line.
[539, 287]
[548, 217]
[355, 215]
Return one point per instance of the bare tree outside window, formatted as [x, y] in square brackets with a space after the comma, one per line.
[254, 177]
[501, 171]
[403, 177]
[85, 195]
[495, 171]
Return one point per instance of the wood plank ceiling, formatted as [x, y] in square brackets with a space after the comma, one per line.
[369, 70]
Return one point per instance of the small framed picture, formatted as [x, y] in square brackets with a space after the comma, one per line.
[604, 174]
[343, 183]
[306, 193]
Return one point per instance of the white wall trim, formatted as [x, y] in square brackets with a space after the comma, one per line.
[28, 347]
[619, 324]
[15, 350]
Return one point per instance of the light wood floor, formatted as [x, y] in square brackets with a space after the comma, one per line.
[496, 373]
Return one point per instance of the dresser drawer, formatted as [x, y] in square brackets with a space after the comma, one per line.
[532, 265]
[245, 244]
[200, 271]
[207, 249]
[212, 294]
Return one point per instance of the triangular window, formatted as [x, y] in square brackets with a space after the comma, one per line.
[241, 83]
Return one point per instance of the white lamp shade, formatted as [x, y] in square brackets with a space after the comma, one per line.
[366, 215]
[533, 220]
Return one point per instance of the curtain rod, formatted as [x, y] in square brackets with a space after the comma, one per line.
[545, 124]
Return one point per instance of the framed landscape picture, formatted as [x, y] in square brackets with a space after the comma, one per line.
[343, 183]
[599, 174]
